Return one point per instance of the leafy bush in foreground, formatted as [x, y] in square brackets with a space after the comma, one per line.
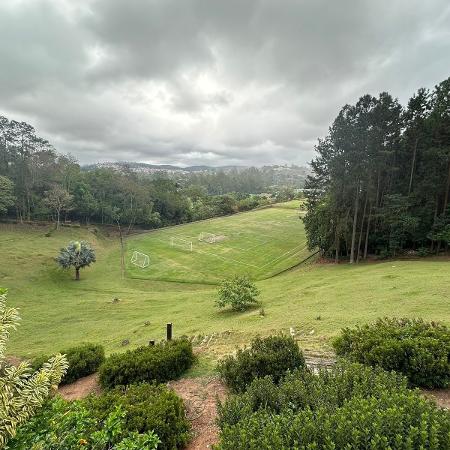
[160, 363]
[352, 407]
[146, 407]
[272, 356]
[83, 360]
[62, 425]
[419, 350]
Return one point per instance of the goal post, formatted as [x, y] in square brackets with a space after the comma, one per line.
[209, 238]
[140, 259]
[181, 243]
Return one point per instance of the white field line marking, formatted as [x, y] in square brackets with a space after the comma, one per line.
[285, 254]
[226, 259]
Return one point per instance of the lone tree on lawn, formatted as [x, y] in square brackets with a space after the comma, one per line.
[77, 254]
[58, 199]
[238, 291]
[22, 392]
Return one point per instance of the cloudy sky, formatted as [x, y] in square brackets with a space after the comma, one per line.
[209, 81]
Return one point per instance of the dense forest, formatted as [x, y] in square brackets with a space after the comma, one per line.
[221, 180]
[38, 183]
[381, 179]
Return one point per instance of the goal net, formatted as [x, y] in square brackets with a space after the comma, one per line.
[209, 238]
[181, 243]
[140, 259]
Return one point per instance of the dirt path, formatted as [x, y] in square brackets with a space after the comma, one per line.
[200, 397]
[440, 396]
[80, 388]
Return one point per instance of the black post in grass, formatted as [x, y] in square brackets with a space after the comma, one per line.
[151, 342]
[169, 331]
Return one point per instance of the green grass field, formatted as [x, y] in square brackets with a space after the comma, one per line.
[316, 299]
[260, 244]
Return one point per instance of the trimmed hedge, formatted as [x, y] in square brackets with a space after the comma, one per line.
[160, 363]
[83, 360]
[272, 356]
[419, 350]
[147, 408]
[351, 406]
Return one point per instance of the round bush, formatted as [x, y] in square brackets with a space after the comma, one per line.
[351, 406]
[272, 356]
[147, 408]
[160, 363]
[83, 360]
[419, 350]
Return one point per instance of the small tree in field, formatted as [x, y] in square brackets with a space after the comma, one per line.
[22, 392]
[58, 199]
[239, 292]
[77, 254]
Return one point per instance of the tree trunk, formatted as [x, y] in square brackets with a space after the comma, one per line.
[361, 229]
[447, 188]
[77, 273]
[122, 251]
[57, 219]
[413, 164]
[337, 245]
[366, 244]
[355, 221]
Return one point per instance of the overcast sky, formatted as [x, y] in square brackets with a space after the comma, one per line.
[209, 81]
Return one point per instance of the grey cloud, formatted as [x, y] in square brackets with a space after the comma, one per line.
[209, 81]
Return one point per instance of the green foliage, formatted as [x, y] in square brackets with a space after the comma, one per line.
[83, 360]
[380, 179]
[77, 254]
[272, 356]
[22, 391]
[62, 425]
[146, 407]
[419, 350]
[7, 197]
[351, 406]
[239, 292]
[303, 389]
[161, 362]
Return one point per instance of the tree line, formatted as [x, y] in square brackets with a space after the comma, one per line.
[380, 182]
[38, 183]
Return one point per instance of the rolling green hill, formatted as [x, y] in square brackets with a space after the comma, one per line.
[316, 299]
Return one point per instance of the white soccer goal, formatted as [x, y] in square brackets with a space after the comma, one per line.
[140, 259]
[209, 238]
[181, 243]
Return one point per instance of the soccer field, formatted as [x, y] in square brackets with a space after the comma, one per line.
[259, 243]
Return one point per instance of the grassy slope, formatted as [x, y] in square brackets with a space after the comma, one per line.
[58, 311]
[261, 244]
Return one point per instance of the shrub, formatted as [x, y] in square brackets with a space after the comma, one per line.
[419, 350]
[83, 360]
[160, 363]
[302, 389]
[266, 356]
[351, 406]
[62, 425]
[239, 292]
[401, 421]
[147, 407]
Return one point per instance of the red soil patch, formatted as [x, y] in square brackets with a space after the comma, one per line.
[440, 396]
[200, 397]
[80, 388]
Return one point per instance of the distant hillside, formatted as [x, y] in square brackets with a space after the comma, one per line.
[218, 180]
[153, 168]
